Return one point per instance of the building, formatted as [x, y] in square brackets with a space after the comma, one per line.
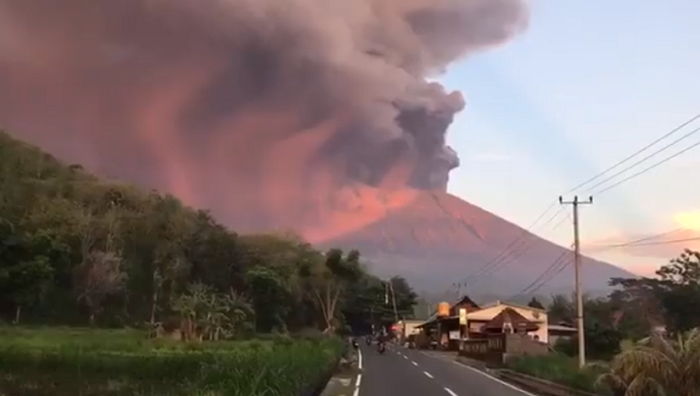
[406, 328]
[535, 319]
[497, 318]
[442, 329]
[560, 331]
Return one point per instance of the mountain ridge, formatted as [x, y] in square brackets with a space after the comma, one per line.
[439, 239]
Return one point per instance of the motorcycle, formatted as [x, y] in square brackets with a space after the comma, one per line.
[368, 340]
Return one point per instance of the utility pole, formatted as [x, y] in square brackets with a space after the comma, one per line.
[577, 270]
[393, 300]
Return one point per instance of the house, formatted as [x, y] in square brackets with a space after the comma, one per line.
[443, 328]
[560, 331]
[406, 328]
[496, 318]
[534, 319]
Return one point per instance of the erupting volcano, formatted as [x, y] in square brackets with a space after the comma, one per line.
[313, 115]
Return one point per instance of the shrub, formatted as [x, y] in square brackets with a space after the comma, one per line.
[70, 362]
[560, 369]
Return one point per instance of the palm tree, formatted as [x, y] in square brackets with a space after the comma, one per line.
[658, 367]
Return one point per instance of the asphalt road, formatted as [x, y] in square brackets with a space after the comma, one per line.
[407, 372]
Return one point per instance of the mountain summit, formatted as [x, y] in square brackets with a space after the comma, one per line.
[439, 239]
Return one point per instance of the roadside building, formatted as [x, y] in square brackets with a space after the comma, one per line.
[560, 331]
[443, 329]
[534, 319]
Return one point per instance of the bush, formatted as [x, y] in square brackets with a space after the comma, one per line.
[69, 362]
[560, 369]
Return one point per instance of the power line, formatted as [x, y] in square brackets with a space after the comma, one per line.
[645, 170]
[687, 135]
[557, 272]
[526, 248]
[636, 153]
[628, 243]
[663, 242]
[524, 243]
[544, 273]
[512, 245]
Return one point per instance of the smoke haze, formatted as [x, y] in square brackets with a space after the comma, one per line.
[307, 114]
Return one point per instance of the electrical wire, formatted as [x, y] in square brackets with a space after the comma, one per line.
[645, 170]
[687, 135]
[628, 243]
[636, 153]
[544, 273]
[512, 245]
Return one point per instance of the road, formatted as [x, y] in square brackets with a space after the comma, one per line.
[406, 372]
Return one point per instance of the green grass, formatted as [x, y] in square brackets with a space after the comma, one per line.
[559, 368]
[63, 361]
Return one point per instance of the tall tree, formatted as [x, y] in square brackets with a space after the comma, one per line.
[99, 277]
[535, 303]
[334, 278]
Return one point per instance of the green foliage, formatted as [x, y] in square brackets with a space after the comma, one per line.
[558, 368]
[671, 299]
[658, 366]
[602, 331]
[97, 362]
[212, 316]
[75, 249]
[535, 303]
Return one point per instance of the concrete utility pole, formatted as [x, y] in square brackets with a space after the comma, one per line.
[393, 300]
[577, 270]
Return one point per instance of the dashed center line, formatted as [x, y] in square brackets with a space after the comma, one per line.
[414, 363]
[405, 357]
[357, 385]
[450, 391]
[427, 374]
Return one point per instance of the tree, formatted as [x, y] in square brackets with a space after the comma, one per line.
[334, 278]
[561, 310]
[661, 367]
[602, 336]
[25, 271]
[535, 303]
[208, 315]
[368, 302]
[98, 277]
[672, 297]
[271, 299]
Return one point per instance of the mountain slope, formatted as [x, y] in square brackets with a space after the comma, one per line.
[439, 239]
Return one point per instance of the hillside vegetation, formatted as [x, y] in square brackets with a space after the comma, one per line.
[76, 249]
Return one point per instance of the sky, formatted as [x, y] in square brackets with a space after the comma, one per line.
[587, 84]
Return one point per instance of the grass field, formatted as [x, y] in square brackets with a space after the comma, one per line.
[67, 361]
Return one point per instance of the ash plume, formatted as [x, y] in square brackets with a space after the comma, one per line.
[272, 113]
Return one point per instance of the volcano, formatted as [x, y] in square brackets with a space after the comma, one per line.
[439, 240]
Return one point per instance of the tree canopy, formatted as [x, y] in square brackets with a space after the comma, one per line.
[75, 249]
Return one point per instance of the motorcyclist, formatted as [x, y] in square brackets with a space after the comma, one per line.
[381, 345]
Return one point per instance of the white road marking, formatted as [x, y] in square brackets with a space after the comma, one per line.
[357, 385]
[405, 357]
[515, 388]
[414, 363]
[359, 359]
[427, 374]
[448, 390]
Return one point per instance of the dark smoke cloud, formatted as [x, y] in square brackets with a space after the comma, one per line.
[262, 110]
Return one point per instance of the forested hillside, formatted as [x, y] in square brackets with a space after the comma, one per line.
[75, 249]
